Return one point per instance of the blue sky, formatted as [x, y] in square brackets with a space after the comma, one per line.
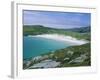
[56, 19]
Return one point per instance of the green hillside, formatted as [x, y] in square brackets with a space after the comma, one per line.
[81, 30]
[39, 29]
[68, 56]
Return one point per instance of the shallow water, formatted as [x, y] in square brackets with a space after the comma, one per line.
[35, 46]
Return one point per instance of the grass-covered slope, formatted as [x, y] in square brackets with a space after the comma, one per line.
[39, 29]
[74, 56]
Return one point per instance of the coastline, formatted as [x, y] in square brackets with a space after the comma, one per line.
[63, 57]
[62, 38]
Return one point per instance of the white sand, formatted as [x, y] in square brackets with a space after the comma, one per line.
[62, 38]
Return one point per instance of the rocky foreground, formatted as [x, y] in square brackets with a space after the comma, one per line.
[67, 57]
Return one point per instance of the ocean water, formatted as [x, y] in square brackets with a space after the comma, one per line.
[35, 46]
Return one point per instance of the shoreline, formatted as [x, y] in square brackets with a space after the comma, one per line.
[51, 60]
[61, 38]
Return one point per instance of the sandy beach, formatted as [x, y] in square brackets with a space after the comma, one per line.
[62, 38]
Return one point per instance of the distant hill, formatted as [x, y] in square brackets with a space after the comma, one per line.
[39, 29]
[81, 30]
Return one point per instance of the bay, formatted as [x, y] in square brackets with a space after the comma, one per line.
[35, 46]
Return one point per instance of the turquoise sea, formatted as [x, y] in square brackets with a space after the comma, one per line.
[35, 46]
